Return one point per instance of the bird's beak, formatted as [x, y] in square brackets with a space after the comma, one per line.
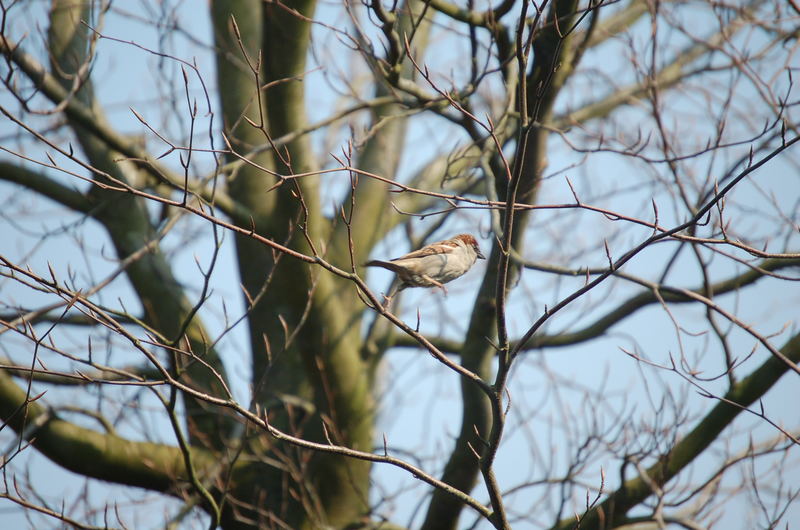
[480, 256]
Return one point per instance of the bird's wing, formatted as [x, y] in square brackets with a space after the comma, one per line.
[440, 247]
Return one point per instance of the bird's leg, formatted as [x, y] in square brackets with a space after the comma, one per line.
[436, 284]
[387, 298]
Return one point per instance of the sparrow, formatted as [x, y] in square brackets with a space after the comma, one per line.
[435, 264]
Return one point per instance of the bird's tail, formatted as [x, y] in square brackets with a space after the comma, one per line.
[397, 286]
[384, 264]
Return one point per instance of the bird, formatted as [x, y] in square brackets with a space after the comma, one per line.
[435, 264]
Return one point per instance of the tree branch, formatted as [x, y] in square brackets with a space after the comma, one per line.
[147, 465]
[88, 119]
[743, 394]
[44, 185]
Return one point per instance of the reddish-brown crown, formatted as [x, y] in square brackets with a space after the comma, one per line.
[467, 239]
